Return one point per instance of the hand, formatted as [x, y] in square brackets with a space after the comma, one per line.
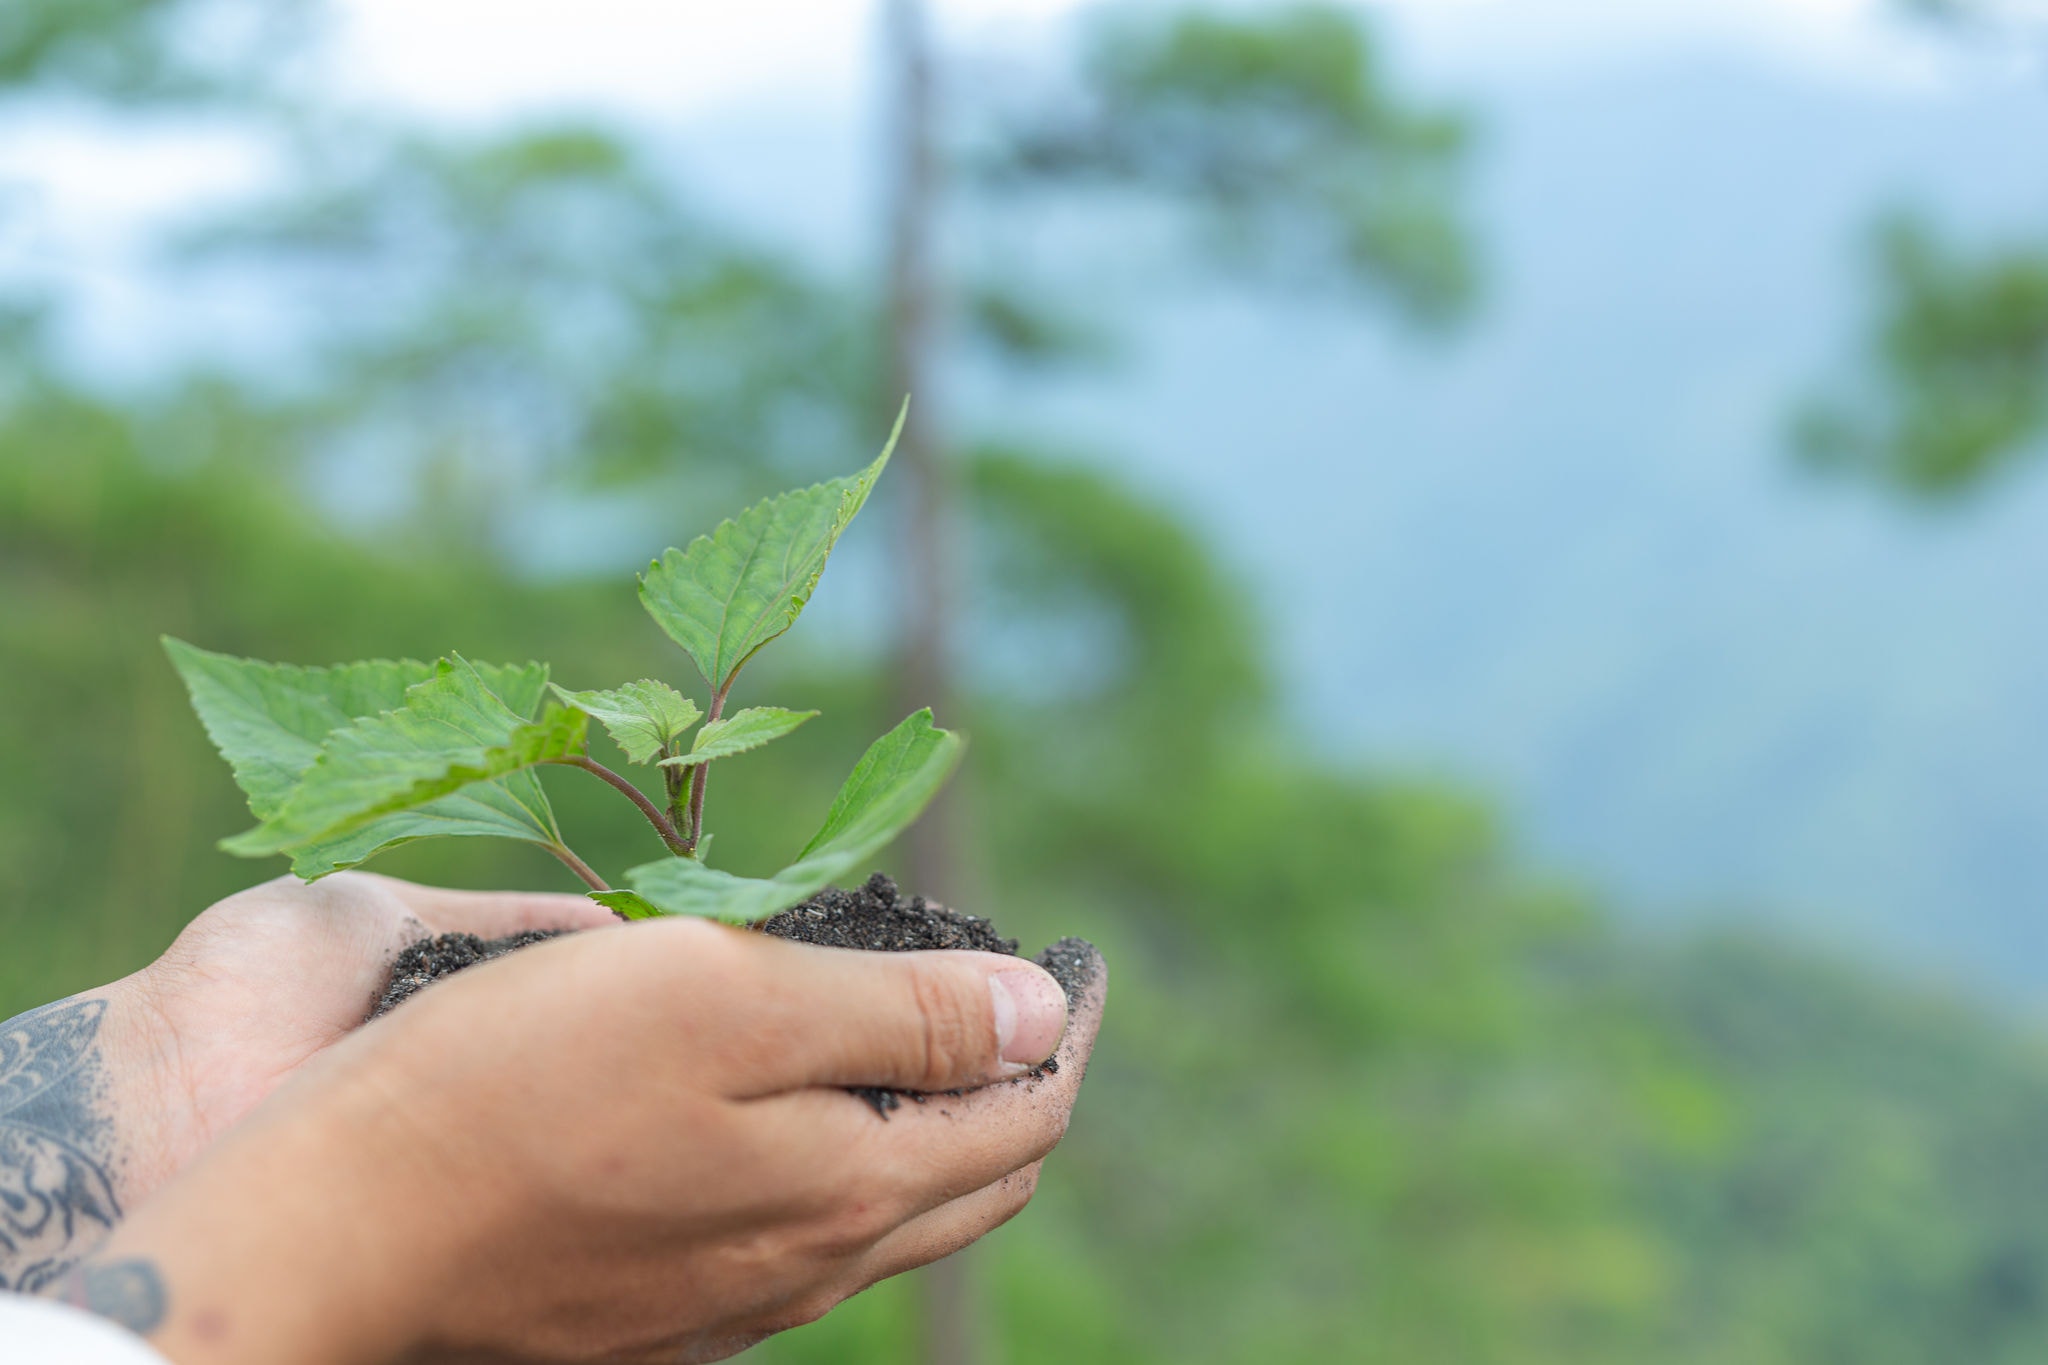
[115, 1090]
[631, 1145]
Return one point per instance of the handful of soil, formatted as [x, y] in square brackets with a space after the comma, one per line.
[876, 918]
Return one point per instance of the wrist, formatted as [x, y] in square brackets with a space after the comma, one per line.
[302, 1236]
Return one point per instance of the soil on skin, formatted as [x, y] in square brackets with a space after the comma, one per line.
[876, 918]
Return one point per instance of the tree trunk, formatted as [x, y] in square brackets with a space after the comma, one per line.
[928, 569]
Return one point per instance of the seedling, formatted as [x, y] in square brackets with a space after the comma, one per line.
[342, 763]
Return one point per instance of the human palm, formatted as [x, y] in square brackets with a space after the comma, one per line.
[261, 983]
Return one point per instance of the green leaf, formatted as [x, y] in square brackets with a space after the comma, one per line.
[519, 686]
[269, 720]
[626, 904]
[737, 733]
[733, 591]
[513, 807]
[644, 717]
[449, 761]
[891, 785]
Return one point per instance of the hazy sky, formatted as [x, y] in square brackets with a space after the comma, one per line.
[476, 57]
[689, 63]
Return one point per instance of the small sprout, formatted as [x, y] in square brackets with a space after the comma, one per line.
[342, 763]
[737, 733]
[644, 717]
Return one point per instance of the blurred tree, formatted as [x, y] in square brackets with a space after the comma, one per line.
[1274, 137]
[524, 316]
[1279, 133]
[145, 51]
[1959, 392]
[1957, 388]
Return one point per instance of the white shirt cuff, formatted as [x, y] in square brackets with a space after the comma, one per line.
[42, 1332]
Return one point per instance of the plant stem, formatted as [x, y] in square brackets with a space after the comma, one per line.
[702, 776]
[577, 865]
[661, 823]
[676, 781]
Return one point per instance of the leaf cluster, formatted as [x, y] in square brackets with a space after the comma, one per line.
[341, 763]
[1957, 390]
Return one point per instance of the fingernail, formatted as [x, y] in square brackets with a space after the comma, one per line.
[1031, 1014]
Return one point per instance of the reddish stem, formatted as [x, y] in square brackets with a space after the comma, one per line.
[578, 866]
[699, 778]
[661, 823]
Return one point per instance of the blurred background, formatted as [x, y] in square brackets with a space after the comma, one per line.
[1489, 549]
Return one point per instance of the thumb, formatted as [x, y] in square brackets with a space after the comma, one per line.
[909, 1021]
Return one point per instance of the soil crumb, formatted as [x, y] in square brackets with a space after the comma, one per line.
[879, 919]
[430, 959]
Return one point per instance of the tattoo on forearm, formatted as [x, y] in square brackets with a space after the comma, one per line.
[129, 1292]
[56, 1144]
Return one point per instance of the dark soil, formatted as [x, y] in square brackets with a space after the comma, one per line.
[879, 919]
[876, 918]
[430, 959]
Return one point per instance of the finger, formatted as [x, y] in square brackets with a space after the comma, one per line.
[496, 914]
[927, 1238]
[938, 1233]
[933, 1149]
[803, 1016]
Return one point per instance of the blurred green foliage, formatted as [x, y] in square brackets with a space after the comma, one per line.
[1283, 130]
[144, 51]
[1368, 1089]
[1955, 390]
[1959, 389]
[551, 314]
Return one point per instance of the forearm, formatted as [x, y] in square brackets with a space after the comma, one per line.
[292, 1240]
[61, 1147]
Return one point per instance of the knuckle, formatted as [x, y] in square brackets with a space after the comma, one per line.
[710, 955]
[820, 1186]
[702, 939]
[853, 1228]
[949, 1045]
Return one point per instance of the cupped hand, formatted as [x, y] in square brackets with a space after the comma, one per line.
[634, 1145]
[107, 1095]
[265, 979]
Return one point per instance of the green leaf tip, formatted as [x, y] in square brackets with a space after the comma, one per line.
[888, 789]
[645, 717]
[731, 592]
[737, 733]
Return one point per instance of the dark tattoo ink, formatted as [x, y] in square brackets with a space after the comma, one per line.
[56, 1194]
[128, 1292]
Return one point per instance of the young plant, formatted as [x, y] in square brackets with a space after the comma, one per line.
[342, 763]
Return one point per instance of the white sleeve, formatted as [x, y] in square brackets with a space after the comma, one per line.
[41, 1332]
